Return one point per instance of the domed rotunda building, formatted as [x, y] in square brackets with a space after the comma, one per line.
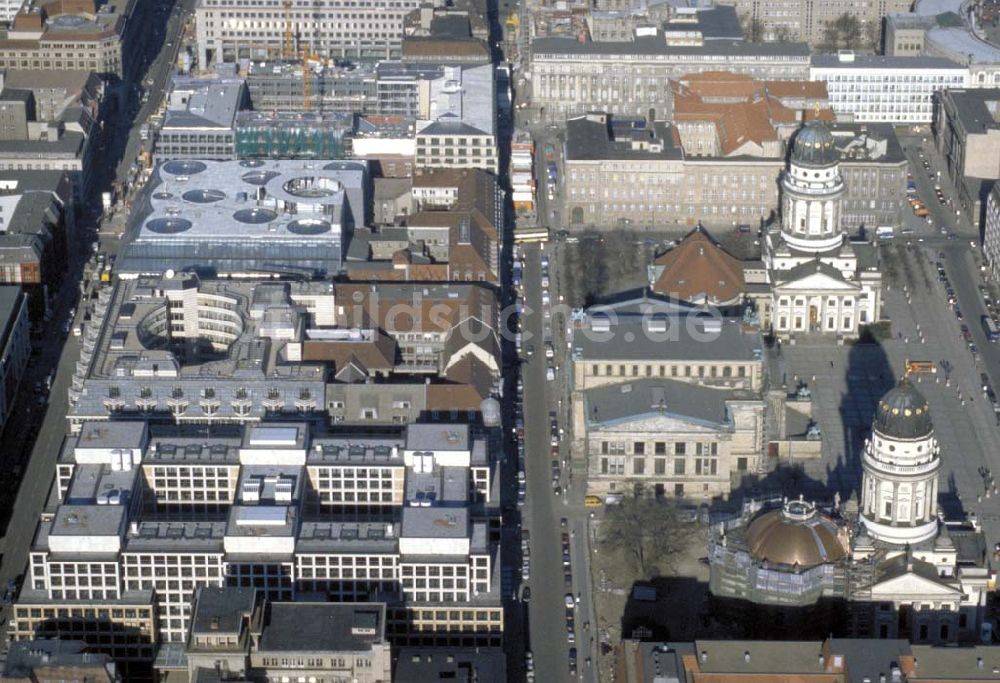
[894, 566]
[821, 282]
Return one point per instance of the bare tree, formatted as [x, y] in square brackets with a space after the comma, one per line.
[648, 531]
[842, 33]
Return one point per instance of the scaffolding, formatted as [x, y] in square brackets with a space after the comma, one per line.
[295, 137]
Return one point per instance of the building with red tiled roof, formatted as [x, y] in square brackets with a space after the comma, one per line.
[699, 271]
[724, 114]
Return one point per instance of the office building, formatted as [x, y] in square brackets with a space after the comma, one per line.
[249, 217]
[457, 129]
[821, 282]
[873, 88]
[228, 30]
[53, 35]
[898, 570]
[571, 78]
[293, 513]
[632, 173]
[967, 135]
[200, 119]
[262, 639]
[807, 20]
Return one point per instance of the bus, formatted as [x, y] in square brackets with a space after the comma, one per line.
[529, 235]
[990, 328]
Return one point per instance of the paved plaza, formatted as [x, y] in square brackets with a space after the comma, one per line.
[847, 381]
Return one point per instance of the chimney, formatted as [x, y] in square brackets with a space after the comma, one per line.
[704, 656]
[746, 658]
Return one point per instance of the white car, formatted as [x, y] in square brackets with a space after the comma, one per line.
[550, 373]
[545, 282]
[546, 299]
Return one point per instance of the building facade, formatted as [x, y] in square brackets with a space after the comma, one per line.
[820, 281]
[571, 78]
[898, 90]
[894, 568]
[807, 20]
[228, 30]
[991, 232]
[15, 346]
[280, 508]
[260, 639]
[55, 35]
[670, 438]
[645, 180]
[967, 135]
[200, 119]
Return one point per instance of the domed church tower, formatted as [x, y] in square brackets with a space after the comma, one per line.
[821, 281]
[901, 464]
[812, 188]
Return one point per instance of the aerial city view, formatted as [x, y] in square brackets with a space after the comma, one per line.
[489, 341]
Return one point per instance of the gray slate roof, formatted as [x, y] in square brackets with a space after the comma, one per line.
[645, 397]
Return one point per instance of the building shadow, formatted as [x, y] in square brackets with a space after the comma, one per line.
[868, 376]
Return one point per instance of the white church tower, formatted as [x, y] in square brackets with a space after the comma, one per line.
[901, 463]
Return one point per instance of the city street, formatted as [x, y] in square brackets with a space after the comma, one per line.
[60, 351]
[543, 511]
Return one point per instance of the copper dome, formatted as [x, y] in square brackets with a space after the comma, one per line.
[796, 535]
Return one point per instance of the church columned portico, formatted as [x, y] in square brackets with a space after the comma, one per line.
[819, 284]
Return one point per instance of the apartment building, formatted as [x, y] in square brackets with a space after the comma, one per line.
[807, 20]
[631, 78]
[258, 638]
[200, 119]
[457, 128]
[249, 217]
[143, 516]
[53, 35]
[633, 173]
[229, 30]
[874, 88]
